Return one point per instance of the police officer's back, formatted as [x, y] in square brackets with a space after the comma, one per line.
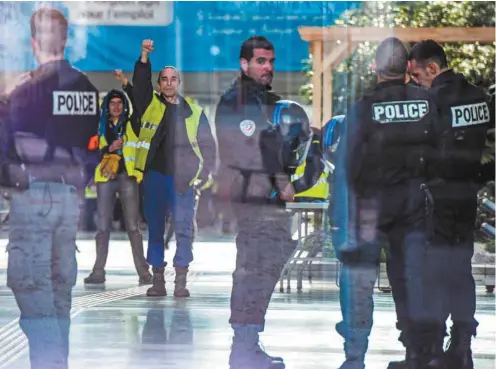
[50, 120]
[461, 133]
[463, 128]
[380, 166]
[390, 138]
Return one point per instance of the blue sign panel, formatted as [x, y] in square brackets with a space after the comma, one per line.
[196, 36]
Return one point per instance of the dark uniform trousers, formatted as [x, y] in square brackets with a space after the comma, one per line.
[394, 217]
[263, 244]
[42, 267]
[448, 256]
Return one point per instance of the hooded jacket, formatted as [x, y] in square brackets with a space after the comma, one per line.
[109, 131]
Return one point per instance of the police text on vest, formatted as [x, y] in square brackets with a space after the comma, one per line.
[74, 103]
[467, 115]
[400, 111]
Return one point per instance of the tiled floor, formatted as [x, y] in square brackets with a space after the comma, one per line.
[118, 327]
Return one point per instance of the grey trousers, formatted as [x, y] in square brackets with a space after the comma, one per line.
[263, 245]
[128, 191]
[42, 268]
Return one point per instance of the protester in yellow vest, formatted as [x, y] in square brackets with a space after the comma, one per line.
[176, 154]
[116, 175]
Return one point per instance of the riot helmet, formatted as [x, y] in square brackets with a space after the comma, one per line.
[291, 121]
[331, 136]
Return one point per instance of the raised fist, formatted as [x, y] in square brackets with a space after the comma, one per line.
[147, 46]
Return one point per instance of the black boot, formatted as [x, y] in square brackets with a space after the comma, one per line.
[158, 288]
[95, 278]
[459, 353]
[402, 327]
[428, 356]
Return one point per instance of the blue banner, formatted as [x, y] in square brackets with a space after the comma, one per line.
[195, 36]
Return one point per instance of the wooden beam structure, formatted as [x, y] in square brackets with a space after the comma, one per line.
[406, 34]
[330, 46]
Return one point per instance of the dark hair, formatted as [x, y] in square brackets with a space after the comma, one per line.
[49, 29]
[391, 58]
[255, 42]
[429, 51]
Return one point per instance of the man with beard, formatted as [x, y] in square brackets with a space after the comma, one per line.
[251, 145]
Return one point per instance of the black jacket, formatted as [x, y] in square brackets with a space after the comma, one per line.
[249, 148]
[49, 122]
[465, 117]
[389, 135]
[242, 114]
[461, 132]
[180, 161]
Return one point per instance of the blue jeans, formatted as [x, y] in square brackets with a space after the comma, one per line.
[161, 200]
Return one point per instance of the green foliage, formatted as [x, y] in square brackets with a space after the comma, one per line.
[355, 76]
[306, 89]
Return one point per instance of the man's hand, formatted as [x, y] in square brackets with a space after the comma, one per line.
[116, 145]
[120, 77]
[288, 193]
[146, 48]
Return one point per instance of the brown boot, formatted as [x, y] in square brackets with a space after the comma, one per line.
[180, 281]
[158, 288]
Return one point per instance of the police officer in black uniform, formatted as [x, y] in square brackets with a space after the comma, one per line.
[251, 156]
[460, 135]
[50, 121]
[380, 166]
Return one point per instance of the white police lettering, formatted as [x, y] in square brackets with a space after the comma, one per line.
[247, 127]
[400, 111]
[467, 115]
[74, 103]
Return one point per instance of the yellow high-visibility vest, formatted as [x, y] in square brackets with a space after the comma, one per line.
[320, 190]
[149, 125]
[128, 152]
